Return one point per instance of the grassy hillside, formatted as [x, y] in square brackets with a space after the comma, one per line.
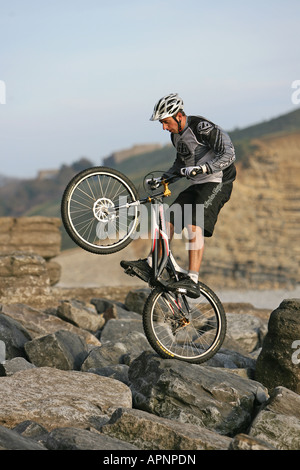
[243, 139]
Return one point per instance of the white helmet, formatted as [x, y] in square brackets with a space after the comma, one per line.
[166, 107]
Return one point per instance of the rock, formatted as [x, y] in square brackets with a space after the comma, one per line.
[62, 349]
[82, 439]
[38, 323]
[278, 422]
[231, 360]
[103, 356]
[37, 234]
[117, 329]
[245, 442]
[54, 272]
[12, 440]
[118, 372]
[81, 315]
[276, 364]
[56, 398]
[14, 336]
[31, 429]
[204, 396]
[136, 298]
[246, 330]
[12, 366]
[123, 351]
[23, 278]
[150, 432]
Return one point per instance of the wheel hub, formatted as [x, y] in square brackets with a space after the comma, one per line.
[102, 210]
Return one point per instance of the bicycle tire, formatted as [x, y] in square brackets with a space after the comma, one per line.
[185, 342]
[88, 214]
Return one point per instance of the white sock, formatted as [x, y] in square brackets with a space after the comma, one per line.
[194, 276]
[149, 260]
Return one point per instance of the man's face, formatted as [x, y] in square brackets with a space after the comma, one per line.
[169, 124]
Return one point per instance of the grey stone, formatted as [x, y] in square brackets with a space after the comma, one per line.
[276, 364]
[81, 315]
[83, 439]
[12, 440]
[205, 396]
[14, 365]
[150, 432]
[14, 336]
[56, 398]
[62, 349]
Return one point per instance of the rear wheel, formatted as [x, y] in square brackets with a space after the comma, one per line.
[94, 212]
[190, 330]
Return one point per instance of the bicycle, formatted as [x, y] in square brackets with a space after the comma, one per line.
[99, 211]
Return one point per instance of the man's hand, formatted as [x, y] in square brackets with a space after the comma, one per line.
[191, 171]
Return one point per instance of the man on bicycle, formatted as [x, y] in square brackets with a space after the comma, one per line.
[205, 155]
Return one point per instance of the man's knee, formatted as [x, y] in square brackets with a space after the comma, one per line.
[195, 237]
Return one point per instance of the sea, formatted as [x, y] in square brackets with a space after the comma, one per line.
[259, 298]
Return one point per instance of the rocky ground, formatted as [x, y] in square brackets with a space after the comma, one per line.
[80, 374]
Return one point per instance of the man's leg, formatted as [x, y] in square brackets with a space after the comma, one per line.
[196, 249]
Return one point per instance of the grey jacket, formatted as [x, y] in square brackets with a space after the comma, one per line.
[201, 141]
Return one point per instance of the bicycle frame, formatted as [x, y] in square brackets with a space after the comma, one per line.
[158, 233]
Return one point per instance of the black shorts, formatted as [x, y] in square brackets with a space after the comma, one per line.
[199, 205]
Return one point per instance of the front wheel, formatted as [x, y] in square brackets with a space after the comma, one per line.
[95, 213]
[190, 330]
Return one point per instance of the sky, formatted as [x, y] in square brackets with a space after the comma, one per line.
[79, 78]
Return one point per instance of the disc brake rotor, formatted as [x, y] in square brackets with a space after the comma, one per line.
[102, 210]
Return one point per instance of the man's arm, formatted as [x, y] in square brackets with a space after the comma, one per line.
[220, 143]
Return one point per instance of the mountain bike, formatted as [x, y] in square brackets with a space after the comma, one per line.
[100, 212]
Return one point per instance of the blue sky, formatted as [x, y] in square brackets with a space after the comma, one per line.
[82, 77]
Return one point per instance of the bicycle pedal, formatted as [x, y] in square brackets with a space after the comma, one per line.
[181, 290]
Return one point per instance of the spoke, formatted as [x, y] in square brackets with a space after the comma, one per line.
[182, 337]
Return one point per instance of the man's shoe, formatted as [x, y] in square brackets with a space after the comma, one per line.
[186, 286]
[139, 268]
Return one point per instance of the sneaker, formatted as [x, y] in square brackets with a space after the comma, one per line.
[186, 286]
[139, 268]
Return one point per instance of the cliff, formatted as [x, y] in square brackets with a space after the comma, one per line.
[256, 237]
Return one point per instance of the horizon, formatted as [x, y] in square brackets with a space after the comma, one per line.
[40, 170]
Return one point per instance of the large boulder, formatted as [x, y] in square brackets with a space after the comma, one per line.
[278, 363]
[62, 349]
[80, 314]
[13, 337]
[23, 278]
[278, 421]
[56, 398]
[36, 234]
[151, 432]
[201, 395]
